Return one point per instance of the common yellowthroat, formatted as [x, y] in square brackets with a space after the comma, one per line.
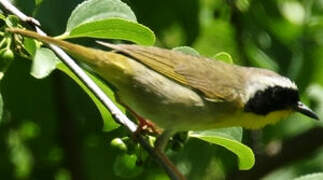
[180, 92]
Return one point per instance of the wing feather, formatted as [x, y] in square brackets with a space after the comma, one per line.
[213, 78]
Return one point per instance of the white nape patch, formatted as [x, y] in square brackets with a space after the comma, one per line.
[260, 83]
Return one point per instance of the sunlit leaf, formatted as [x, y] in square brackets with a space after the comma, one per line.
[44, 63]
[107, 19]
[187, 50]
[230, 139]
[115, 28]
[95, 10]
[314, 176]
[225, 57]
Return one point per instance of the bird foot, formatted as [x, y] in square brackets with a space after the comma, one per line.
[147, 126]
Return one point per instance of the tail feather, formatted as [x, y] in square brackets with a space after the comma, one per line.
[109, 65]
[83, 53]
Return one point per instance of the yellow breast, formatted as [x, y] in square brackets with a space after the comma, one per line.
[251, 120]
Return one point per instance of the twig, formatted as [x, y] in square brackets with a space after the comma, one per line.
[163, 161]
[117, 114]
[11, 8]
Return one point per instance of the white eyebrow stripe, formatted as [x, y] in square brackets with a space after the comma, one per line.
[260, 83]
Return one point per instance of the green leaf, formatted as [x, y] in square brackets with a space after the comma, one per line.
[6, 58]
[259, 58]
[118, 144]
[38, 2]
[115, 28]
[44, 63]
[63, 174]
[230, 139]
[30, 46]
[225, 57]
[2, 17]
[314, 176]
[314, 92]
[107, 19]
[12, 21]
[125, 166]
[187, 50]
[94, 10]
[109, 123]
[1, 108]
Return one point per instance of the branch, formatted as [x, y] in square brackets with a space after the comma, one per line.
[11, 8]
[117, 114]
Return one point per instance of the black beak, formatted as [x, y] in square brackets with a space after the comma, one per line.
[302, 108]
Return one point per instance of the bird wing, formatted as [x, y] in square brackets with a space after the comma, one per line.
[213, 78]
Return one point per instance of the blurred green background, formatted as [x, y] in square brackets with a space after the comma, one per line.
[51, 129]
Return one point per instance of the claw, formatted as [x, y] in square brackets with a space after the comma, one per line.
[146, 125]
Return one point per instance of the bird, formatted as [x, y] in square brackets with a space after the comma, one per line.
[182, 92]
